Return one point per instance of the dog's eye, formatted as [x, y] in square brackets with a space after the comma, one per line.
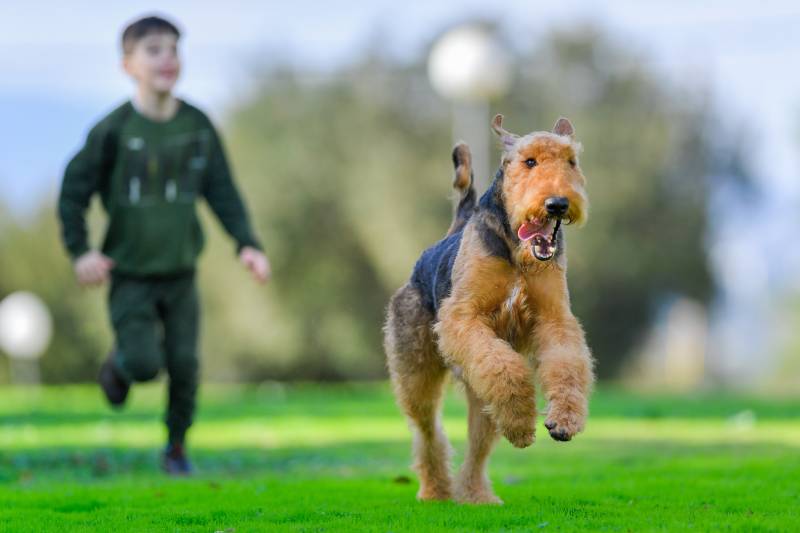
[572, 162]
[530, 162]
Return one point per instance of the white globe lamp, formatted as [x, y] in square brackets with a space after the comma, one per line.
[25, 331]
[469, 67]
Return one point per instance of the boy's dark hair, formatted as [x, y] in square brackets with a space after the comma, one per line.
[143, 27]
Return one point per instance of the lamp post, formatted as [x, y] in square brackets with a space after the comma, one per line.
[469, 67]
[25, 330]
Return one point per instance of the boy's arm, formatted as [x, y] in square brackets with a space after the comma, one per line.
[81, 180]
[224, 199]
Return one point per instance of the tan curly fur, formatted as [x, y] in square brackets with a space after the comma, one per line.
[503, 325]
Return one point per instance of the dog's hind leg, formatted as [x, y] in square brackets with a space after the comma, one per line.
[418, 376]
[472, 484]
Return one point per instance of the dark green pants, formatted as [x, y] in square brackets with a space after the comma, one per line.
[156, 324]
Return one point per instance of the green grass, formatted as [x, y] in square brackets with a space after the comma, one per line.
[335, 458]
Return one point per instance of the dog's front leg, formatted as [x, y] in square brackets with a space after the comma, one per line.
[499, 376]
[564, 360]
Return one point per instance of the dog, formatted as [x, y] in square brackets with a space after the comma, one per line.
[489, 303]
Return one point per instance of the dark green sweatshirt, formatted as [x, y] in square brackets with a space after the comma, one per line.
[149, 176]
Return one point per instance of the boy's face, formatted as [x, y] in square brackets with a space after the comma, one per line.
[153, 62]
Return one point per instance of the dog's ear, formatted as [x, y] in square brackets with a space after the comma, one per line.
[507, 139]
[564, 127]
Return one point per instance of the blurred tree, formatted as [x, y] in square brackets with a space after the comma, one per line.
[350, 175]
[347, 176]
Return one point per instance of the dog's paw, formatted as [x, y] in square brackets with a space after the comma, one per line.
[517, 420]
[520, 438]
[565, 423]
[474, 489]
[433, 494]
[478, 498]
[519, 431]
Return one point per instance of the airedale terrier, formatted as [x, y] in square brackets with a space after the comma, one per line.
[489, 302]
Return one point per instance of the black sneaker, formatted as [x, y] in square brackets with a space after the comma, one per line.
[113, 386]
[175, 462]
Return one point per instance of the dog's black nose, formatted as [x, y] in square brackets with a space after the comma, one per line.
[556, 206]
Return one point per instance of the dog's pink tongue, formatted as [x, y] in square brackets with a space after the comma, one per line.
[527, 231]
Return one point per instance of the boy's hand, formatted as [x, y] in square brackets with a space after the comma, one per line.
[256, 262]
[93, 268]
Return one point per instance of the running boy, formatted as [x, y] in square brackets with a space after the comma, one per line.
[150, 160]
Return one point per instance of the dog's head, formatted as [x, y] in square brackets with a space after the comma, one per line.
[543, 185]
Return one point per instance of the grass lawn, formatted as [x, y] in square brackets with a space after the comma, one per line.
[335, 458]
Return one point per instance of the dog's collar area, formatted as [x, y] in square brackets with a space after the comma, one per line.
[492, 202]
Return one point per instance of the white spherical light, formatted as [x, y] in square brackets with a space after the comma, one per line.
[468, 64]
[25, 325]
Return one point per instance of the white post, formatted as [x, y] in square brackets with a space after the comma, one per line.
[471, 125]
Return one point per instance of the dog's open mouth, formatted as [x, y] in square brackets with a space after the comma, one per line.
[542, 233]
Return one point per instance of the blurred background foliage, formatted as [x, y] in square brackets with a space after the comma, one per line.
[347, 176]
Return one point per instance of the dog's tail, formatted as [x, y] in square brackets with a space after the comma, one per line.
[463, 183]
